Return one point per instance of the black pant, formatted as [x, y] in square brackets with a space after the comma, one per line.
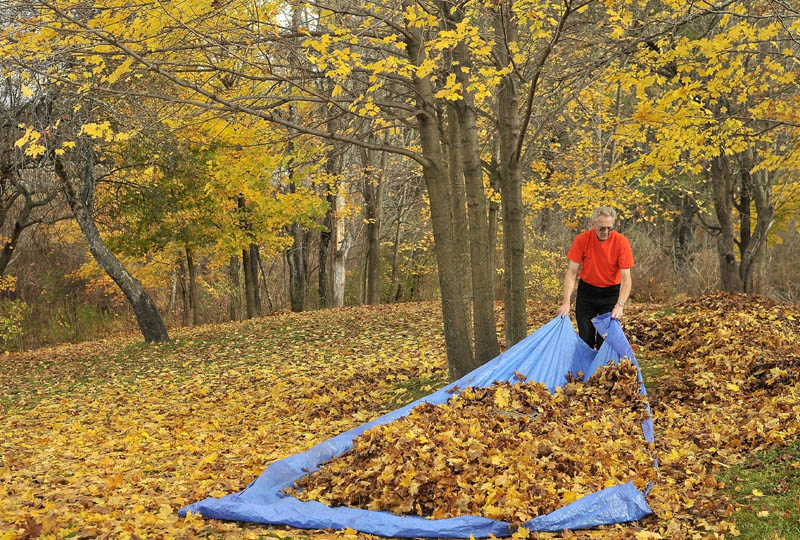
[591, 302]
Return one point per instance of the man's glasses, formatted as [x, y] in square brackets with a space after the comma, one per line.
[605, 229]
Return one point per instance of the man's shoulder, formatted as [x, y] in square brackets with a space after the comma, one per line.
[621, 238]
[621, 242]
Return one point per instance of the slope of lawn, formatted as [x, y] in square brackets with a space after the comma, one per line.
[109, 439]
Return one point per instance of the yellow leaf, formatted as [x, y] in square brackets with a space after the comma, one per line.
[733, 387]
[35, 150]
[757, 493]
[501, 398]
[97, 131]
[648, 535]
[521, 534]
[27, 92]
[570, 496]
[121, 70]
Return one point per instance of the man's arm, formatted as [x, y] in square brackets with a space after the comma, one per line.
[570, 277]
[624, 292]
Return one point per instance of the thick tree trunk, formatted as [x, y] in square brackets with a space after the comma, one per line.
[235, 301]
[722, 192]
[192, 287]
[247, 267]
[81, 203]
[333, 168]
[759, 190]
[373, 210]
[454, 312]
[450, 133]
[509, 130]
[484, 326]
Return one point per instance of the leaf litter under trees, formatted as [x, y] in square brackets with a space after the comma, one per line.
[94, 443]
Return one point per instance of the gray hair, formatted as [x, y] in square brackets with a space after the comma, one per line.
[604, 211]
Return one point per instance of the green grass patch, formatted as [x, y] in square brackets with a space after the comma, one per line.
[766, 492]
[654, 367]
[415, 388]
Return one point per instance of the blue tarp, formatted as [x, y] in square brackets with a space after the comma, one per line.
[545, 356]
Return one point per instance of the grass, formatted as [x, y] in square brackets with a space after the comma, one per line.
[415, 388]
[654, 367]
[766, 493]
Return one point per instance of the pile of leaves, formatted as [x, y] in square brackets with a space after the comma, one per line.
[507, 452]
[728, 388]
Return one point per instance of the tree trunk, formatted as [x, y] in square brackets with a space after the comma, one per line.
[265, 277]
[484, 325]
[297, 270]
[396, 258]
[721, 174]
[192, 287]
[11, 242]
[494, 210]
[342, 242]
[373, 208]
[454, 312]
[255, 260]
[759, 189]
[173, 293]
[235, 301]
[81, 203]
[249, 295]
[450, 133]
[682, 232]
[333, 168]
[185, 301]
[509, 130]
[325, 237]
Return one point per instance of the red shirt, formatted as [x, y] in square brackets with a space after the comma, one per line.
[601, 262]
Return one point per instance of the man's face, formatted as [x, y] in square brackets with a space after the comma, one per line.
[603, 226]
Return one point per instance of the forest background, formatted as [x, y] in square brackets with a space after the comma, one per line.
[168, 164]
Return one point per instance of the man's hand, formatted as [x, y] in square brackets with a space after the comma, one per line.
[616, 313]
[563, 310]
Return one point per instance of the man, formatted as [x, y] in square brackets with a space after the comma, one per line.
[605, 260]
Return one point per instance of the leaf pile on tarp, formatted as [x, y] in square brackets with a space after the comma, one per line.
[507, 452]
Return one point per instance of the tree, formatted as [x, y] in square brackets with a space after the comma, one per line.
[27, 198]
[715, 106]
[80, 184]
[427, 67]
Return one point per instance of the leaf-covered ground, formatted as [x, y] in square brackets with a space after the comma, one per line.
[109, 439]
